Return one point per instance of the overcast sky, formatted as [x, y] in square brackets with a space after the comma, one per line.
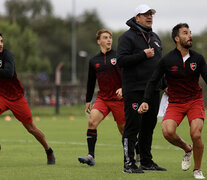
[114, 13]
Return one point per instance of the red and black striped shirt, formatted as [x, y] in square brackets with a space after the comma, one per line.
[10, 86]
[182, 77]
[104, 69]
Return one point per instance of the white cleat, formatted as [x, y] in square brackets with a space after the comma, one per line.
[198, 174]
[186, 162]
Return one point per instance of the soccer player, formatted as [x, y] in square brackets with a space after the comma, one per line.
[182, 68]
[12, 98]
[104, 68]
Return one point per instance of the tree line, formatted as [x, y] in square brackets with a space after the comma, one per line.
[40, 40]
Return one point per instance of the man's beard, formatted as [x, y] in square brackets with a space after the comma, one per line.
[185, 45]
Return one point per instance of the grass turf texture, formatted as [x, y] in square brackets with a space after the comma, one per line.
[22, 157]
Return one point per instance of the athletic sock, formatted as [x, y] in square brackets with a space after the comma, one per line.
[49, 151]
[91, 140]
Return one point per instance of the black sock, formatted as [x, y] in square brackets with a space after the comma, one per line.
[49, 151]
[91, 140]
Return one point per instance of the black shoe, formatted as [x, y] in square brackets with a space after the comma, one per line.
[51, 159]
[152, 167]
[132, 169]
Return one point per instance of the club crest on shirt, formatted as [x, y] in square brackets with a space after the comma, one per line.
[97, 65]
[157, 44]
[0, 63]
[113, 61]
[193, 66]
[135, 106]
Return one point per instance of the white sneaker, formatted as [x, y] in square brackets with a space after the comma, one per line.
[186, 162]
[198, 174]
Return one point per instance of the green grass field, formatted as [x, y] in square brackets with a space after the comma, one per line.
[23, 158]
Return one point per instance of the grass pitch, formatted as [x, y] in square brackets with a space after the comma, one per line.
[23, 158]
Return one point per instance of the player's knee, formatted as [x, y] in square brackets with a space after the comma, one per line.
[168, 134]
[196, 136]
[92, 124]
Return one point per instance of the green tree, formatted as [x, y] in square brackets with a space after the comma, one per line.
[23, 11]
[54, 35]
[39, 8]
[24, 46]
[87, 26]
[54, 41]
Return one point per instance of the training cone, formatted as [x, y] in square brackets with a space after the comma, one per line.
[7, 118]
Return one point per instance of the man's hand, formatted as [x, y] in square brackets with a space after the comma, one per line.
[149, 52]
[119, 93]
[88, 107]
[144, 107]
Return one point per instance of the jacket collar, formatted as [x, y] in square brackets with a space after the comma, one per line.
[106, 52]
[136, 26]
[177, 51]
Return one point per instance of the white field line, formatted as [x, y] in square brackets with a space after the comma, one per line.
[159, 147]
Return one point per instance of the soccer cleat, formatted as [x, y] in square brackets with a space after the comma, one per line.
[51, 159]
[198, 174]
[186, 162]
[137, 159]
[132, 169]
[88, 159]
[152, 167]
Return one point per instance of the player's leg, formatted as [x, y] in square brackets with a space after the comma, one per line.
[169, 131]
[175, 113]
[98, 113]
[169, 127]
[196, 127]
[196, 116]
[37, 133]
[96, 117]
[22, 112]
[117, 109]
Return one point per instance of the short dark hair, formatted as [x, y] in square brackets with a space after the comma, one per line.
[101, 31]
[1, 34]
[175, 30]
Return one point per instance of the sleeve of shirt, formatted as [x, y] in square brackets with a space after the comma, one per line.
[152, 83]
[91, 82]
[203, 69]
[126, 57]
[163, 83]
[8, 67]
